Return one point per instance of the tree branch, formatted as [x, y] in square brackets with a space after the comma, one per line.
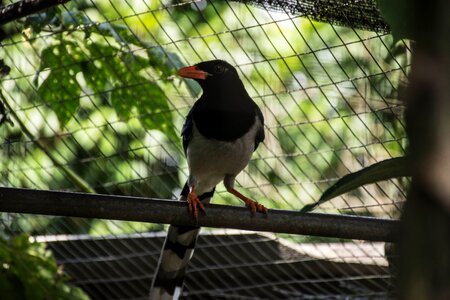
[25, 8]
[16, 200]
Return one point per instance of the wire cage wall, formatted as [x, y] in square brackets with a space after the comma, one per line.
[96, 107]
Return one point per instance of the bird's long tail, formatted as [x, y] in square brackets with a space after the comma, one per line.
[176, 253]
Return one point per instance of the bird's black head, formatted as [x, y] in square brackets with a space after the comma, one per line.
[211, 74]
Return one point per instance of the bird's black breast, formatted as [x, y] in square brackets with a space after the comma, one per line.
[224, 122]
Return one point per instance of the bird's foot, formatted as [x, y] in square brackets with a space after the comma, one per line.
[251, 204]
[193, 204]
[255, 206]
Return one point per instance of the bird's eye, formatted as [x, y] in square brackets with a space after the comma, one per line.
[219, 69]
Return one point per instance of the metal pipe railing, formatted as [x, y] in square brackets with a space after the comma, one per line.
[17, 200]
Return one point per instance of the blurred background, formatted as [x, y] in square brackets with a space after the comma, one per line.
[96, 107]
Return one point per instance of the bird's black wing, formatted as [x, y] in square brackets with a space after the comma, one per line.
[187, 130]
[260, 134]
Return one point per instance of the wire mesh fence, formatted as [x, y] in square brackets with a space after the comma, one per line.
[96, 107]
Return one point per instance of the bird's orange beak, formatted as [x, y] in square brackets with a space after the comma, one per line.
[193, 72]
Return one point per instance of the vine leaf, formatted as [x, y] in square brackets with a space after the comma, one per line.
[60, 90]
[111, 70]
[383, 170]
[107, 71]
[121, 76]
[147, 98]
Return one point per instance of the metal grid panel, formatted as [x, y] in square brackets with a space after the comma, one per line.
[328, 94]
[228, 264]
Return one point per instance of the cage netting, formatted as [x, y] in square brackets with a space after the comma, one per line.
[93, 95]
[350, 13]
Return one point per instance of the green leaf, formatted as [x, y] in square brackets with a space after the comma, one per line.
[149, 100]
[105, 67]
[61, 54]
[399, 15]
[97, 73]
[158, 58]
[62, 92]
[29, 271]
[384, 170]
[130, 90]
[97, 80]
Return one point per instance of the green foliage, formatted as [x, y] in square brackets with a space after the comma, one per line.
[114, 73]
[398, 14]
[111, 69]
[383, 170]
[60, 89]
[29, 271]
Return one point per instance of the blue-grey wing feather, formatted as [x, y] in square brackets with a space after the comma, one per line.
[187, 130]
[260, 133]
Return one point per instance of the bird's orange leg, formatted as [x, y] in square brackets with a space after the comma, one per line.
[251, 204]
[193, 202]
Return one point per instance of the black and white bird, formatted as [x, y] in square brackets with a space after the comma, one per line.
[221, 131]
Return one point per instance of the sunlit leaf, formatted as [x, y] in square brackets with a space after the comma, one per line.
[61, 92]
[147, 98]
[130, 91]
[97, 71]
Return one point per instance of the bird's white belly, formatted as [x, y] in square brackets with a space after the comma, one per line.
[211, 160]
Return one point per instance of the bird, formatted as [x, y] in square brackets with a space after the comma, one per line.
[221, 131]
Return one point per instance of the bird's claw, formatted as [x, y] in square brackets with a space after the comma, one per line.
[256, 207]
[251, 204]
[193, 204]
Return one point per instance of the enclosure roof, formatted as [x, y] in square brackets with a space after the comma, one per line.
[227, 264]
